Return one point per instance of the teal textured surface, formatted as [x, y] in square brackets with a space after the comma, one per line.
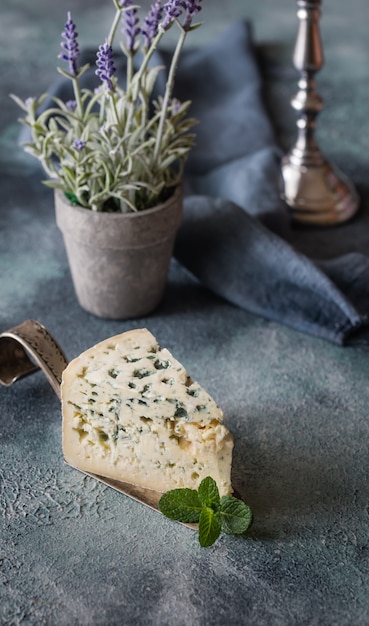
[73, 551]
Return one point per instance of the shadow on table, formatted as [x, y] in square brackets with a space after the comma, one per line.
[184, 294]
[299, 491]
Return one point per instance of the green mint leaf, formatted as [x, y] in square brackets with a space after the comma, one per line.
[182, 505]
[209, 526]
[209, 493]
[236, 516]
[213, 513]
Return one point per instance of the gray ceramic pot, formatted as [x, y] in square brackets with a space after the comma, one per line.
[119, 261]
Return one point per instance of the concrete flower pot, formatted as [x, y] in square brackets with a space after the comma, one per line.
[119, 261]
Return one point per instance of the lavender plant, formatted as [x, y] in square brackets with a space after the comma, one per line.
[117, 148]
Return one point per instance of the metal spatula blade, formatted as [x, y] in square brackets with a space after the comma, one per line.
[147, 497]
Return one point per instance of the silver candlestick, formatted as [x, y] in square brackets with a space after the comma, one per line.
[316, 192]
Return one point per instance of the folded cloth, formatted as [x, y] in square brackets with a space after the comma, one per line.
[233, 237]
[235, 231]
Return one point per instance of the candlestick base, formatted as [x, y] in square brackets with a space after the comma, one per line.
[318, 194]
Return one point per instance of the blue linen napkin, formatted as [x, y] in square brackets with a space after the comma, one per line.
[236, 237]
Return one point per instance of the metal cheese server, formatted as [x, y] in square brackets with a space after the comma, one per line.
[28, 348]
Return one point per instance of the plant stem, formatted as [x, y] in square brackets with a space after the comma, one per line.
[139, 75]
[129, 70]
[114, 27]
[114, 105]
[168, 91]
[77, 95]
[131, 93]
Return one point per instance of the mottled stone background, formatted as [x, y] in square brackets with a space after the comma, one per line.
[75, 552]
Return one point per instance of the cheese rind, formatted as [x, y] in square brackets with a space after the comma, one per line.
[131, 412]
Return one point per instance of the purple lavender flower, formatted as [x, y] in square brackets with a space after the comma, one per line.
[78, 144]
[151, 23]
[130, 21]
[191, 7]
[172, 10]
[105, 129]
[70, 45]
[175, 105]
[71, 105]
[105, 65]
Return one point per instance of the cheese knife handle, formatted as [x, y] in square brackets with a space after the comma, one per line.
[27, 348]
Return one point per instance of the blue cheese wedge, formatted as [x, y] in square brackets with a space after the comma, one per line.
[132, 413]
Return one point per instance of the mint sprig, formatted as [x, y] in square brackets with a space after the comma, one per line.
[213, 513]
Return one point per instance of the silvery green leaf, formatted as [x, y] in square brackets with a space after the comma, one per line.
[194, 26]
[150, 79]
[19, 102]
[54, 184]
